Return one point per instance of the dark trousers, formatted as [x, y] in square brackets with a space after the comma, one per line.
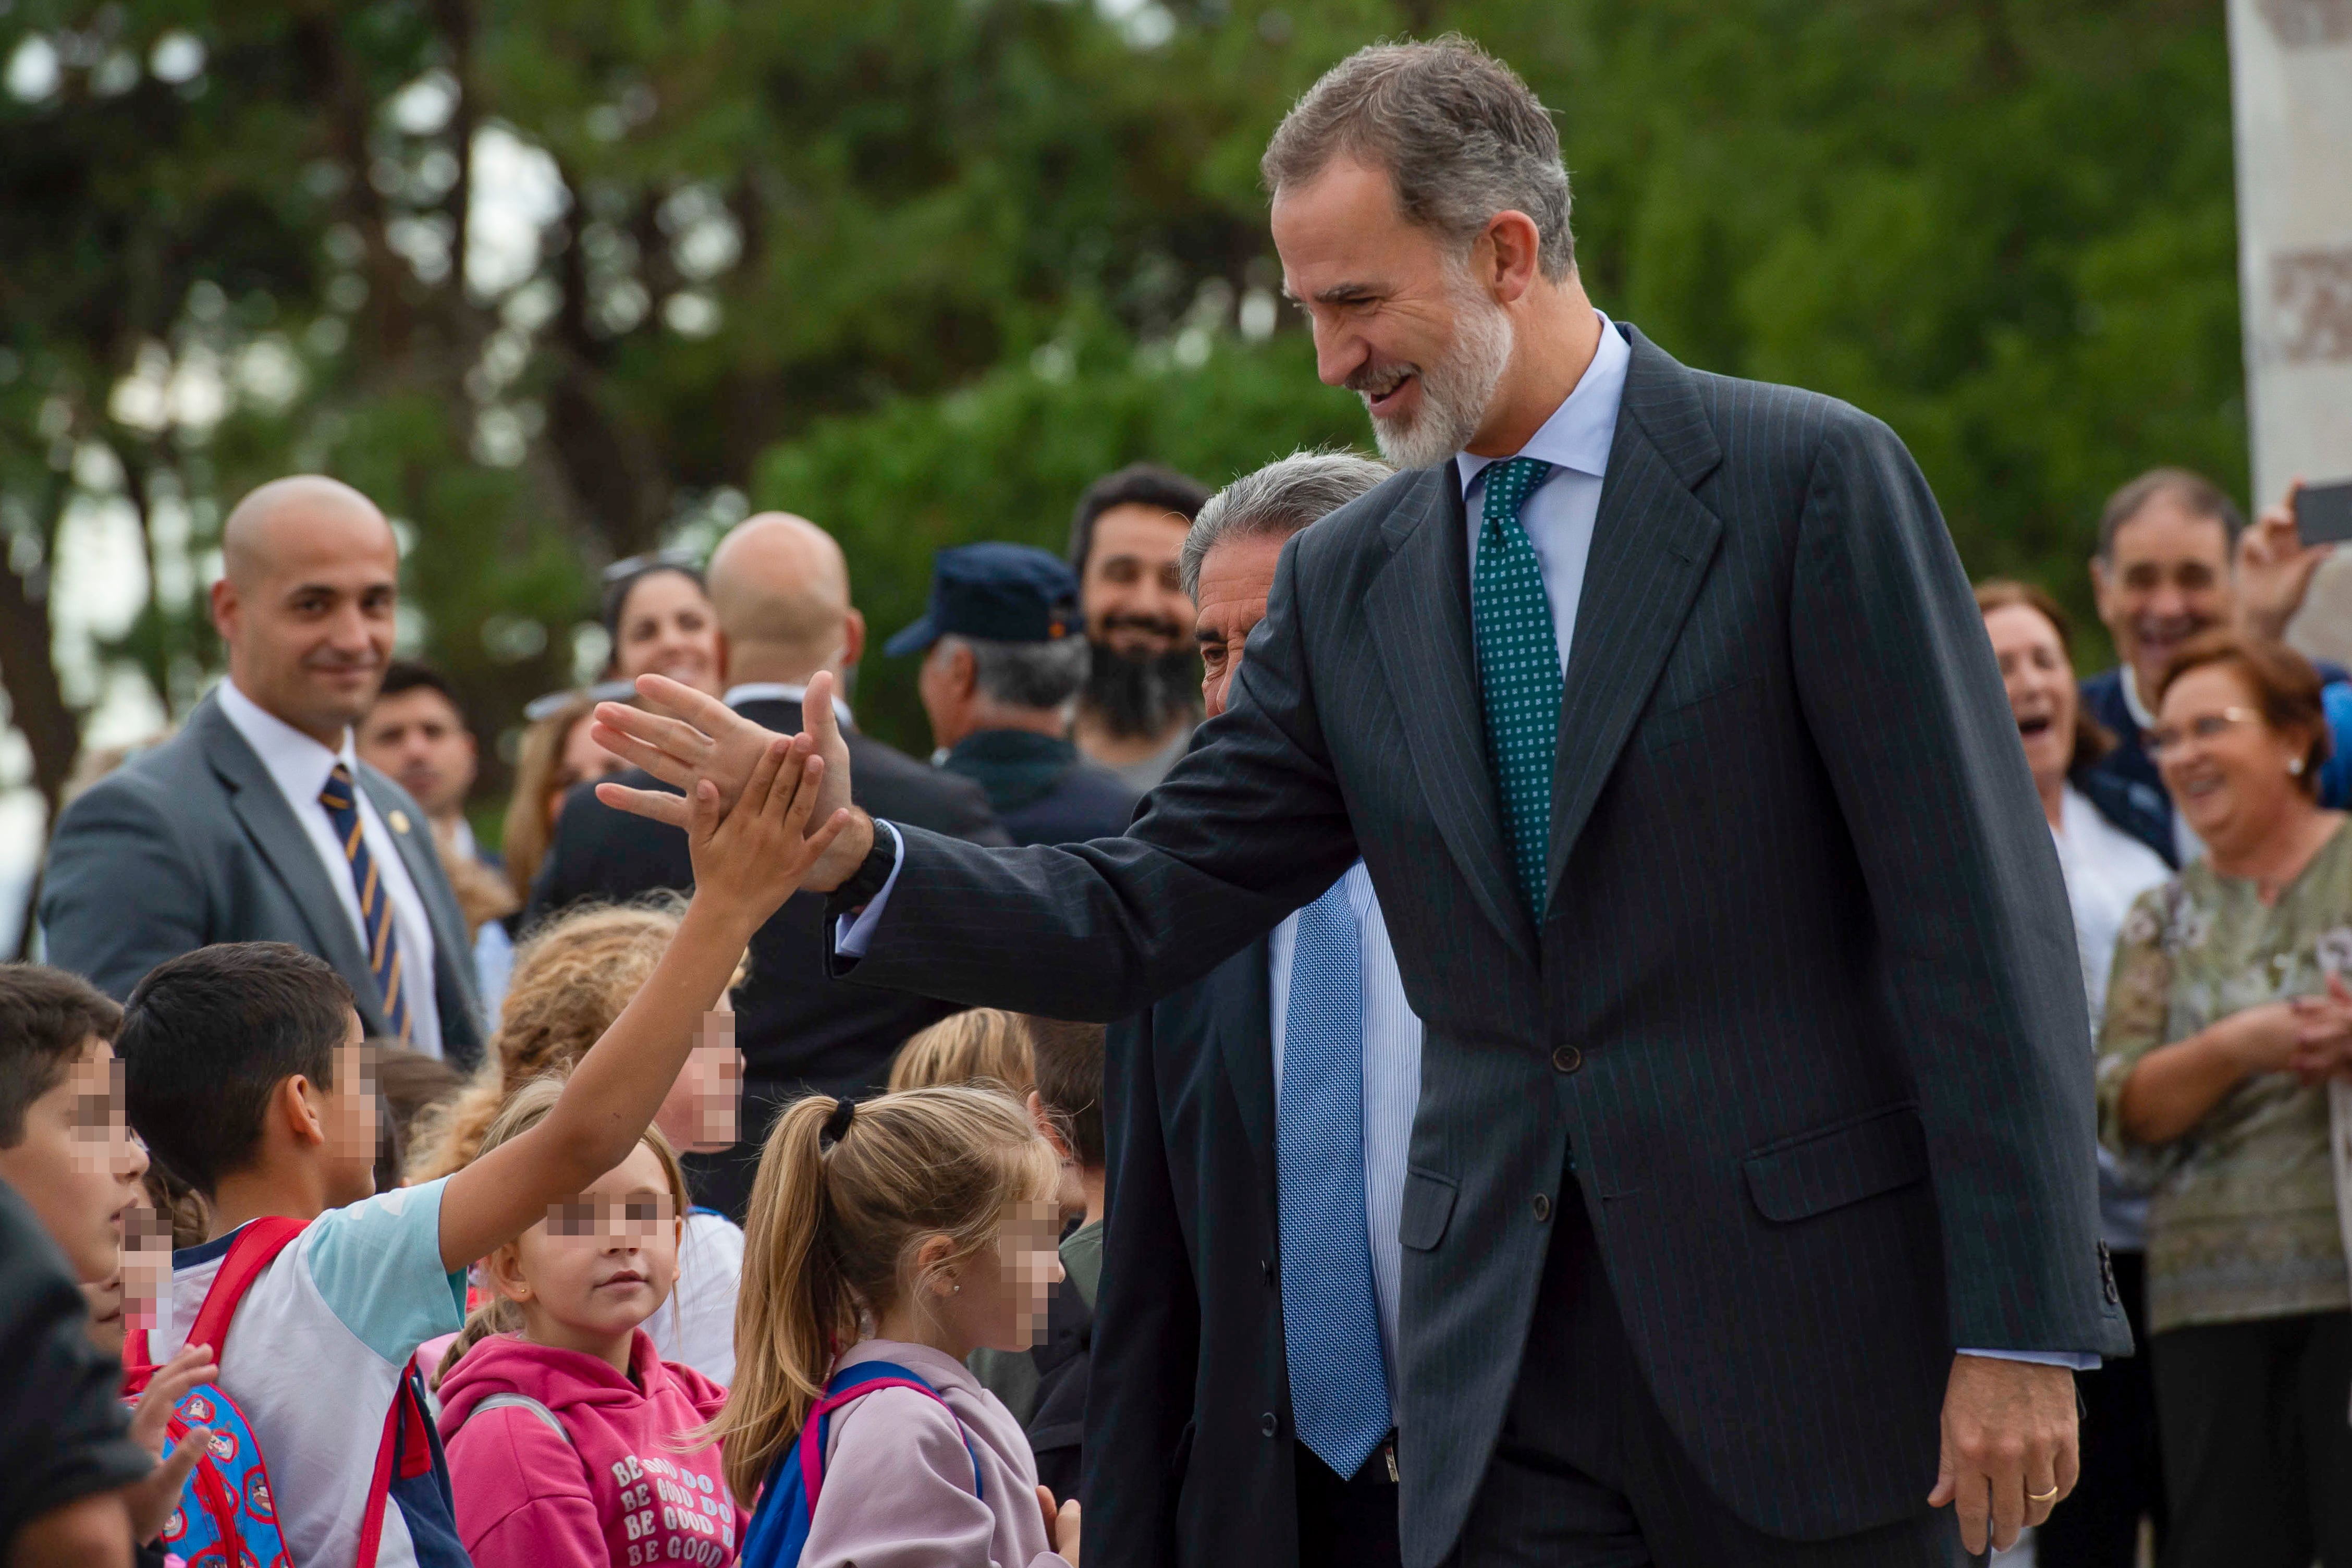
[2257, 1446]
[1347, 1523]
[1588, 1475]
[2123, 1465]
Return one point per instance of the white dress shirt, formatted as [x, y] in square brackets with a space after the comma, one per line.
[784, 691]
[1391, 1086]
[299, 766]
[2185, 842]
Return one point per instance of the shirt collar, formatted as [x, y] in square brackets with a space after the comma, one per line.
[784, 691]
[297, 764]
[2132, 704]
[1577, 434]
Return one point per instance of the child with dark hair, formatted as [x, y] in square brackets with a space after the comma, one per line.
[1069, 1098]
[249, 1076]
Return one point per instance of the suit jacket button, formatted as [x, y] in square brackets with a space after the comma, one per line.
[1542, 1207]
[1266, 1424]
[1567, 1058]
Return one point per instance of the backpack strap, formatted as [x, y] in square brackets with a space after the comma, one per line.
[855, 1383]
[545, 1416]
[406, 1441]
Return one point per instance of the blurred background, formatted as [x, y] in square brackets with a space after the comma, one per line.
[558, 284]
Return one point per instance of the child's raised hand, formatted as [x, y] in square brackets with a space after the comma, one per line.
[1061, 1526]
[754, 857]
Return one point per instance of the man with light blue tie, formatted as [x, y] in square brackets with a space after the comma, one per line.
[1258, 1132]
[1749, 1216]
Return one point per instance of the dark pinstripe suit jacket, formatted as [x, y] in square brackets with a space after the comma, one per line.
[1803, 1003]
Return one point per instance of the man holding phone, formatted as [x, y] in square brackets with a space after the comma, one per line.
[2175, 559]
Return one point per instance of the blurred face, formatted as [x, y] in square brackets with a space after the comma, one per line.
[668, 628]
[1235, 578]
[2226, 768]
[582, 761]
[309, 622]
[78, 1165]
[348, 1114]
[418, 739]
[1397, 320]
[702, 1112]
[599, 1264]
[1132, 594]
[2169, 581]
[2041, 682]
[1007, 1286]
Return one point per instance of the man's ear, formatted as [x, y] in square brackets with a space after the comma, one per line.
[1515, 247]
[224, 607]
[853, 638]
[300, 1106]
[1045, 1124]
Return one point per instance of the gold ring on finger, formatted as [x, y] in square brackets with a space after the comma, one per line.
[2050, 1496]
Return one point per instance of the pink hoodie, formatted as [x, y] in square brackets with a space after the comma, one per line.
[609, 1487]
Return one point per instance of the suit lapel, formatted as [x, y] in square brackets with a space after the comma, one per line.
[1241, 998]
[268, 821]
[1420, 606]
[1652, 541]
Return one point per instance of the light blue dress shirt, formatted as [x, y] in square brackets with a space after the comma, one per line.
[1559, 516]
[1391, 1086]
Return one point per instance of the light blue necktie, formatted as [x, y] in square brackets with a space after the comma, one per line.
[1338, 1378]
[1519, 671]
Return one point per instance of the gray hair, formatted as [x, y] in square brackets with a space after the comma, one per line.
[1276, 502]
[1461, 136]
[1025, 674]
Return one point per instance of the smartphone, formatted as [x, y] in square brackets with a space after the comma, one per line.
[2323, 513]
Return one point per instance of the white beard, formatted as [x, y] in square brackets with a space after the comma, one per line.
[1455, 391]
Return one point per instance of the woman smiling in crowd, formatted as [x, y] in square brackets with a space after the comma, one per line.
[2228, 1034]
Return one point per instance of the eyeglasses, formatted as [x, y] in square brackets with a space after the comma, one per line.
[2207, 727]
[651, 560]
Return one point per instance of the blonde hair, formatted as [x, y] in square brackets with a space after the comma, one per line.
[531, 823]
[833, 1225]
[984, 1044]
[571, 981]
[525, 1110]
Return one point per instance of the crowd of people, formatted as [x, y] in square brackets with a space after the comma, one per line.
[733, 1164]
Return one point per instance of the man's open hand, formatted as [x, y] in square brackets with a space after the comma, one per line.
[685, 737]
[2009, 1454]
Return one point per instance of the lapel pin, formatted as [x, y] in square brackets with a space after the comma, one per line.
[398, 819]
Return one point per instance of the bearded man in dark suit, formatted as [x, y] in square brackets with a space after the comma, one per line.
[1748, 1216]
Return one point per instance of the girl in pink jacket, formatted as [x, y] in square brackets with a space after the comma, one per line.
[564, 1430]
[887, 1241]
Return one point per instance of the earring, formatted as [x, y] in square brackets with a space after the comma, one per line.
[2294, 766]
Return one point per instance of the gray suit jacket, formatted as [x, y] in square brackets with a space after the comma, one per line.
[1801, 1020]
[193, 844]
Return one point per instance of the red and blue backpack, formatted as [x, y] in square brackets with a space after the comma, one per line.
[780, 1527]
[227, 1516]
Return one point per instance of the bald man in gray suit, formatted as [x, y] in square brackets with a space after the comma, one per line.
[258, 822]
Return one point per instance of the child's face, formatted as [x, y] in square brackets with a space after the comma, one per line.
[132, 1291]
[348, 1115]
[78, 1165]
[599, 1264]
[1006, 1288]
[700, 1113]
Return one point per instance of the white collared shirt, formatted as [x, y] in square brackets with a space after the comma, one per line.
[1559, 514]
[299, 767]
[784, 692]
[1391, 1086]
[2185, 842]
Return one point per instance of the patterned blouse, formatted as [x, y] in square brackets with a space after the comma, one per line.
[2244, 1221]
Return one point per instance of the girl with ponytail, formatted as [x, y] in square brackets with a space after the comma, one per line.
[888, 1240]
[563, 1424]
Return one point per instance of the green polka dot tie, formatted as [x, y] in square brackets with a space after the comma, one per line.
[1518, 667]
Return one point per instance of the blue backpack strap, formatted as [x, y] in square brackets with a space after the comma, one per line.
[780, 1527]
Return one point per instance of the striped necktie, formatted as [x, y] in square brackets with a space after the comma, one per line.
[1519, 671]
[341, 801]
[1330, 1316]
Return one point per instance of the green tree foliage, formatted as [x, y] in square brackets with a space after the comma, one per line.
[559, 282]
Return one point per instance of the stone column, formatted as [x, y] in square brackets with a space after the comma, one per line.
[2290, 82]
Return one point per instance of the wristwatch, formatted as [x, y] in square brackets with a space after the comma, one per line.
[865, 883]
